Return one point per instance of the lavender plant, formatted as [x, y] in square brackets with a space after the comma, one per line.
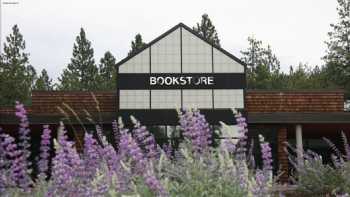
[145, 139]
[314, 177]
[43, 163]
[263, 177]
[136, 166]
[196, 129]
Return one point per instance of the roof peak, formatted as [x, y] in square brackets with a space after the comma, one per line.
[179, 25]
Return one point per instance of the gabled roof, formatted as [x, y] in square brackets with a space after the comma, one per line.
[191, 31]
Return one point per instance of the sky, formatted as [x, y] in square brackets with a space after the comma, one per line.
[296, 30]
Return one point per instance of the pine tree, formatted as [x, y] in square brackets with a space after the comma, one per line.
[207, 30]
[263, 67]
[298, 78]
[16, 74]
[81, 73]
[136, 45]
[252, 56]
[43, 82]
[107, 69]
[337, 58]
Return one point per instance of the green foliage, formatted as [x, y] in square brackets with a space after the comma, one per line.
[107, 71]
[318, 179]
[207, 30]
[263, 71]
[81, 73]
[298, 78]
[315, 178]
[136, 45]
[211, 175]
[16, 74]
[257, 55]
[43, 82]
[263, 67]
[305, 77]
[337, 58]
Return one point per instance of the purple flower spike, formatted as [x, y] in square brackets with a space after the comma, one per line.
[91, 156]
[154, 184]
[116, 132]
[24, 137]
[260, 187]
[3, 179]
[145, 139]
[67, 166]
[21, 172]
[44, 152]
[7, 148]
[266, 154]
[263, 177]
[168, 150]
[129, 148]
[196, 129]
[136, 154]
[18, 175]
[242, 130]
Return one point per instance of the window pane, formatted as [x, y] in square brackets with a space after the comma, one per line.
[134, 99]
[197, 99]
[228, 99]
[166, 99]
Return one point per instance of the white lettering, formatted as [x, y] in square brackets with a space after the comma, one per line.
[198, 81]
[160, 80]
[210, 80]
[189, 80]
[168, 81]
[204, 80]
[175, 81]
[183, 80]
[152, 81]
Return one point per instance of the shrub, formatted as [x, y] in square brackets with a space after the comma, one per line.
[315, 178]
[138, 166]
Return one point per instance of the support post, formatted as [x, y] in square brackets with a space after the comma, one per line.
[282, 156]
[299, 143]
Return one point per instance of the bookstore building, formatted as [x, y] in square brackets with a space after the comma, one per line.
[180, 69]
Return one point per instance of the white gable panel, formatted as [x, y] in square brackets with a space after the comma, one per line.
[137, 64]
[196, 54]
[166, 54]
[228, 99]
[134, 99]
[165, 99]
[197, 99]
[225, 64]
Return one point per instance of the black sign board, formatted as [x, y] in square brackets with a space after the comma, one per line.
[181, 81]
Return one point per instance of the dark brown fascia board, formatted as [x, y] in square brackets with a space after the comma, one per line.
[73, 91]
[191, 31]
[297, 91]
[298, 117]
[252, 117]
[38, 119]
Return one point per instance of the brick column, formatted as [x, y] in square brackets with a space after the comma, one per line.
[282, 156]
[79, 138]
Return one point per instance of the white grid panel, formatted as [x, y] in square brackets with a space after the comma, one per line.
[228, 99]
[197, 99]
[166, 54]
[165, 99]
[134, 99]
[196, 54]
[137, 64]
[224, 64]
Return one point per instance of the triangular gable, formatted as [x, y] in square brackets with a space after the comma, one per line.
[181, 46]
